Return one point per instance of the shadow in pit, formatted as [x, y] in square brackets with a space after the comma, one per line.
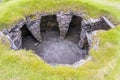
[52, 49]
[74, 31]
[55, 50]
[28, 40]
[49, 25]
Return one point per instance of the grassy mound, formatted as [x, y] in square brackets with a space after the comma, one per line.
[13, 10]
[24, 65]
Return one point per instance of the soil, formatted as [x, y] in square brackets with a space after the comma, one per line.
[53, 49]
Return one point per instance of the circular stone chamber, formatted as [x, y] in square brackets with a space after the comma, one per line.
[54, 49]
[62, 38]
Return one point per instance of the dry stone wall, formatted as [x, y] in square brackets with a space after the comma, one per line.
[34, 27]
[64, 20]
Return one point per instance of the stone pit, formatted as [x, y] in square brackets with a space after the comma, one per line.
[61, 38]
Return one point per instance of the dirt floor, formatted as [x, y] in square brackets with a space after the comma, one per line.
[53, 49]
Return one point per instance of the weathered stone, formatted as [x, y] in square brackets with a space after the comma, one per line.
[15, 35]
[64, 20]
[97, 24]
[12, 43]
[34, 27]
[107, 22]
[82, 38]
[90, 25]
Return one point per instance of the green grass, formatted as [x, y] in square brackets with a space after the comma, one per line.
[24, 65]
[13, 10]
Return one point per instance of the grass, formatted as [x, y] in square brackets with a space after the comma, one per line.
[24, 65]
[10, 13]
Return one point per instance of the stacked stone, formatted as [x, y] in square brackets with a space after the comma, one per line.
[15, 36]
[82, 38]
[64, 20]
[85, 41]
[90, 25]
[85, 35]
[106, 23]
[98, 24]
[34, 27]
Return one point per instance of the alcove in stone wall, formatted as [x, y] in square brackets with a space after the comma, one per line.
[62, 38]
